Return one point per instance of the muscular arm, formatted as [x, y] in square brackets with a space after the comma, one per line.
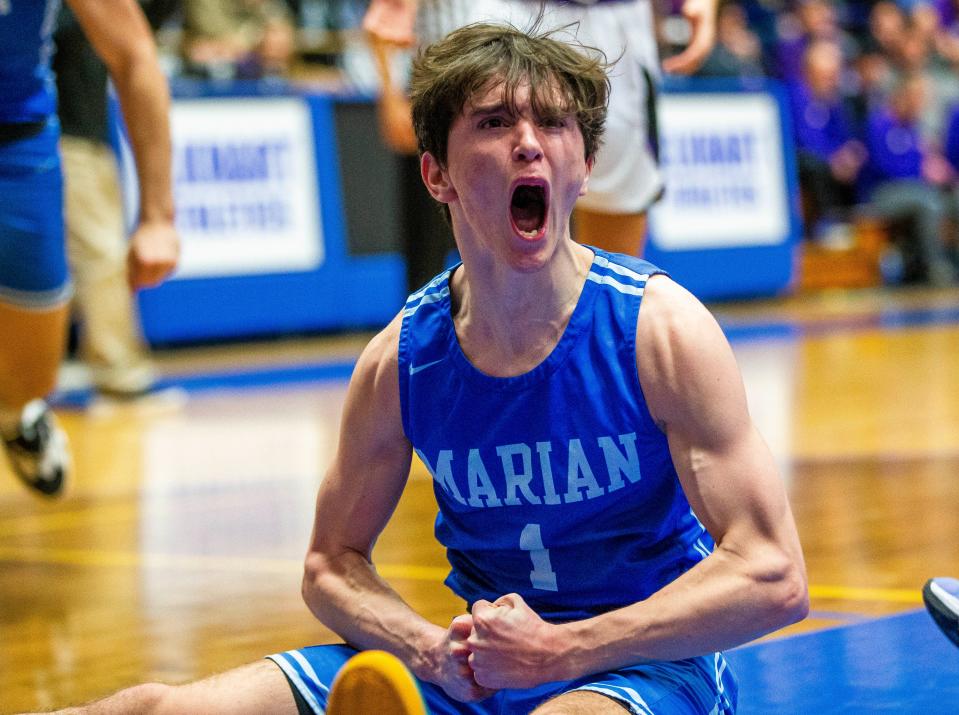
[121, 36]
[356, 499]
[754, 581]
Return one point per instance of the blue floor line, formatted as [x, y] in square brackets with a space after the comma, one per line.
[884, 320]
[245, 379]
[341, 370]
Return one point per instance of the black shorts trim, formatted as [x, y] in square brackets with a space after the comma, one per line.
[302, 707]
[20, 130]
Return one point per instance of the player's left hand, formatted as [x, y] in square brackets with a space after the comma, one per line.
[511, 646]
[153, 254]
[701, 15]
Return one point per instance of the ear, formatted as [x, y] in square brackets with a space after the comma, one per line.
[436, 178]
[589, 170]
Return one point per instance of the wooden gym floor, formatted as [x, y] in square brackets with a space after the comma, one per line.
[178, 553]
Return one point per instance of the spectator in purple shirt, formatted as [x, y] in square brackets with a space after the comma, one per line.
[830, 156]
[904, 178]
[811, 20]
[950, 151]
[950, 148]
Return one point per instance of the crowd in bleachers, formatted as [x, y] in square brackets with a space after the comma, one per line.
[874, 94]
[873, 88]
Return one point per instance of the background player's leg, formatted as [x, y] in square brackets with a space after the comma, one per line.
[251, 689]
[34, 291]
[30, 353]
[110, 339]
[619, 233]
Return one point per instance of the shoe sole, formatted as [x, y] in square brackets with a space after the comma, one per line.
[375, 682]
[937, 603]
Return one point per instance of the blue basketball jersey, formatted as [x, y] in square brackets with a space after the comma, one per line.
[556, 484]
[27, 89]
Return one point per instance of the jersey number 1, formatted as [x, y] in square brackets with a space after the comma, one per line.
[542, 576]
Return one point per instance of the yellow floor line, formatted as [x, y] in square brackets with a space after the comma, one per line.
[132, 559]
[44, 523]
[853, 593]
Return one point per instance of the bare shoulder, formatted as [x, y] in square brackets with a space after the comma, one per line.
[672, 322]
[376, 374]
[683, 356]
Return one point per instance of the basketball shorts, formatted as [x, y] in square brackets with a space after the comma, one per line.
[33, 264]
[626, 177]
[437, 18]
[696, 686]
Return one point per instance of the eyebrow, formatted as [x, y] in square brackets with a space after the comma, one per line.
[479, 110]
[500, 107]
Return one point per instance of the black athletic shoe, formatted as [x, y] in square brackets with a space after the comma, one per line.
[38, 451]
[942, 601]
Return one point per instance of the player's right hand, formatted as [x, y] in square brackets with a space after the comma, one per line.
[452, 671]
[153, 254]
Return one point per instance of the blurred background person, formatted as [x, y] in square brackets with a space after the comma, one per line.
[829, 153]
[904, 177]
[392, 26]
[738, 51]
[808, 21]
[110, 340]
[35, 287]
[950, 150]
[625, 181]
[237, 39]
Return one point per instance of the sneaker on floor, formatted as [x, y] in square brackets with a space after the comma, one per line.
[151, 401]
[375, 682]
[942, 601]
[38, 450]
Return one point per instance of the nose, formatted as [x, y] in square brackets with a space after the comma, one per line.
[526, 145]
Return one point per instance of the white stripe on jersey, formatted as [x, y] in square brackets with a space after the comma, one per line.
[604, 262]
[613, 283]
[308, 669]
[701, 548]
[431, 298]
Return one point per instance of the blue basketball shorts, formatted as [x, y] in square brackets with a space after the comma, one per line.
[33, 262]
[696, 686]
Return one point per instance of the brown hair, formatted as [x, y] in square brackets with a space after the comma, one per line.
[449, 73]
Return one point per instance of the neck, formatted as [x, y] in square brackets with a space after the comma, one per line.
[507, 321]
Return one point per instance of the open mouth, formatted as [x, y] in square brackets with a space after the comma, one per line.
[527, 210]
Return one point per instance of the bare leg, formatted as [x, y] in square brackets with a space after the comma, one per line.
[251, 689]
[581, 702]
[619, 233]
[30, 353]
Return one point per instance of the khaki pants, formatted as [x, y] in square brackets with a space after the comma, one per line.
[111, 342]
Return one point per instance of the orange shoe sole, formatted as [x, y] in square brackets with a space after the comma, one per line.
[375, 682]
